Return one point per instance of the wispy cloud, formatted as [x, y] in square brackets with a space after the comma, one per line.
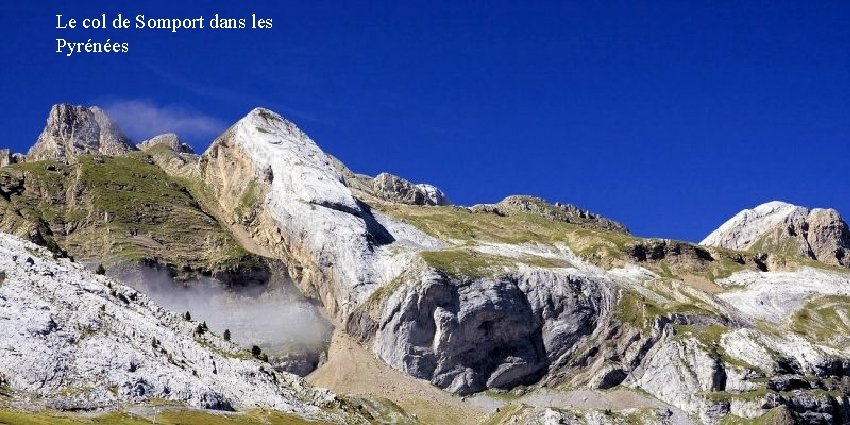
[218, 93]
[142, 119]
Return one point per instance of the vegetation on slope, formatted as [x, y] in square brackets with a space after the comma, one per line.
[117, 210]
[825, 320]
[604, 246]
[468, 263]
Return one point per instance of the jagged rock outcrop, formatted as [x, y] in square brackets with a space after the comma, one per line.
[567, 213]
[781, 228]
[8, 158]
[83, 341]
[390, 188]
[169, 140]
[74, 130]
[290, 199]
[529, 415]
[386, 187]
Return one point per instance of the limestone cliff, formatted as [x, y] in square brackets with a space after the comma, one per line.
[74, 130]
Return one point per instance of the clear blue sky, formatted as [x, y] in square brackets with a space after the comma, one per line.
[668, 116]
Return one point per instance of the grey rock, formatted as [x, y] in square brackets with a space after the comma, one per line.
[74, 130]
[390, 188]
[169, 140]
[466, 335]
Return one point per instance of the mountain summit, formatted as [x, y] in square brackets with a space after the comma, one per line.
[779, 227]
[74, 130]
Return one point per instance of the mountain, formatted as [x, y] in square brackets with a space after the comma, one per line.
[518, 311]
[74, 130]
[781, 228]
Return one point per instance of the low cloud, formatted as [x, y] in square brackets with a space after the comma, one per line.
[274, 316]
[142, 119]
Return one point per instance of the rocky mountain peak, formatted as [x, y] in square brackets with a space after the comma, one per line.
[288, 195]
[396, 189]
[783, 228]
[73, 130]
[170, 140]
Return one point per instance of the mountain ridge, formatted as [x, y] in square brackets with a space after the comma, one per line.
[520, 295]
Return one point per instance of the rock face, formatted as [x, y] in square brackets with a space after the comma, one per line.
[173, 155]
[83, 341]
[778, 227]
[558, 212]
[75, 130]
[386, 187]
[169, 140]
[8, 158]
[395, 189]
[463, 335]
[286, 194]
[467, 335]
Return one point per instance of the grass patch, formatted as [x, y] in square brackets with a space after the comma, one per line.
[504, 414]
[451, 222]
[768, 418]
[605, 247]
[641, 310]
[249, 200]
[468, 263]
[385, 291]
[824, 319]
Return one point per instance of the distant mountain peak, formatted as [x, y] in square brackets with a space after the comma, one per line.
[779, 227]
[72, 130]
[172, 141]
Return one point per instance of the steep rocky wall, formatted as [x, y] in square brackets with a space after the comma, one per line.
[467, 335]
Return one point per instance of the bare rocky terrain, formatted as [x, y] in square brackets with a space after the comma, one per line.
[518, 311]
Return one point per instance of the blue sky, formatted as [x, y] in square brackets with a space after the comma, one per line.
[668, 116]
